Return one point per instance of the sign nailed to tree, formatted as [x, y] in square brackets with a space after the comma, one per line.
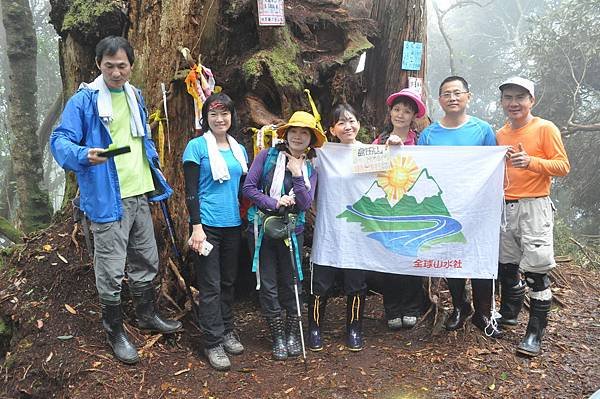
[411, 56]
[270, 13]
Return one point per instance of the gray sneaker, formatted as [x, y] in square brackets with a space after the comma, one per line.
[409, 321]
[218, 358]
[395, 324]
[232, 344]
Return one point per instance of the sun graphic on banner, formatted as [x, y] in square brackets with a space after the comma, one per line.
[399, 179]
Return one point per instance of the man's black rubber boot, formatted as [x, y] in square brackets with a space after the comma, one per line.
[462, 307]
[538, 320]
[147, 316]
[512, 294]
[112, 320]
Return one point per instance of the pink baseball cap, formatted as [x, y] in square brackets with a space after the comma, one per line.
[421, 108]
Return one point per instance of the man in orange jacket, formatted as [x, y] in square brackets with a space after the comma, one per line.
[536, 154]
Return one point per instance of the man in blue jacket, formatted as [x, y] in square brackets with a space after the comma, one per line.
[115, 190]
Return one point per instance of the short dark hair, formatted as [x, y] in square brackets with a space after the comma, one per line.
[227, 103]
[110, 45]
[406, 101]
[452, 79]
[339, 111]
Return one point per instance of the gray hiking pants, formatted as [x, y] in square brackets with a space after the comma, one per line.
[131, 239]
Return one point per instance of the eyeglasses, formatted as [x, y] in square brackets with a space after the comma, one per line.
[449, 94]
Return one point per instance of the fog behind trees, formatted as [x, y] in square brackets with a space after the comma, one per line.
[555, 43]
[552, 42]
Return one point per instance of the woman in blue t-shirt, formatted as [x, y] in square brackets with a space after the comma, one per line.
[213, 165]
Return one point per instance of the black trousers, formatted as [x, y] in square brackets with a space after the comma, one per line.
[324, 276]
[215, 278]
[276, 278]
[403, 295]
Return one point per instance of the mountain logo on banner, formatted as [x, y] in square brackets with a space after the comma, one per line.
[403, 210]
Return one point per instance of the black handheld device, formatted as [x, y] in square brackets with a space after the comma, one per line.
[115, 151]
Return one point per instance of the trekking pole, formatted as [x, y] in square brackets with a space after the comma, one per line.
[178, 256]
[295, 281]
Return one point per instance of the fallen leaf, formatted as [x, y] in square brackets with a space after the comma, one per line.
[289, 390]
[54, 263]
[65, 337]
[492, 387]
[47, 247]
[49, 357]
[39, 324]
[40, 257]
[96, 364]
[181, 372]
[164, 386]
[62, 258]
[70, 309]
[503, 376]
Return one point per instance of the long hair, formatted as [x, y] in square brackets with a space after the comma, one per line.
[227, 103]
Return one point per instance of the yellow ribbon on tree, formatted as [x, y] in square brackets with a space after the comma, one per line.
[264, 137]
[160, 140]
[315, 111]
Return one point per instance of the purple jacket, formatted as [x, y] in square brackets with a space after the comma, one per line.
[252, 188]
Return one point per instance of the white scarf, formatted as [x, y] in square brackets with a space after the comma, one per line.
[218, 166]
[279, 175]
[105, 110]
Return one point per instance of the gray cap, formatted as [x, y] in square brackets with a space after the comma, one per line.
[521, 82]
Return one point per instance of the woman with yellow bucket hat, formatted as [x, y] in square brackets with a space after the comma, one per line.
[281, 183]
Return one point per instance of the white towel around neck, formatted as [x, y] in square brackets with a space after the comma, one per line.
[279, 176]
[218, 166]
[105, 110]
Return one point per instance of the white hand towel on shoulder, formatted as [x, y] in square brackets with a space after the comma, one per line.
[105, 110]
[218, 166]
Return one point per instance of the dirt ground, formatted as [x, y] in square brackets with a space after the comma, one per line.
[58, 348]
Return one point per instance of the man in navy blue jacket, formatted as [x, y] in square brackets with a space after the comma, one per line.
[115, 190]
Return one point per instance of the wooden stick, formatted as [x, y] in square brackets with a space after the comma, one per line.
[592, 260]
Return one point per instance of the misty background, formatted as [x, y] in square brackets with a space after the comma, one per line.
[555, 43]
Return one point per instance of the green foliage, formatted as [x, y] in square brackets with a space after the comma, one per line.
[358, 43]
[564, 246]
[10, 231]
[364, 135]
[83, 16]
[563, 50]
[279, 62]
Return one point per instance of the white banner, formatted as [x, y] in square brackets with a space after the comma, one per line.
[436, 212]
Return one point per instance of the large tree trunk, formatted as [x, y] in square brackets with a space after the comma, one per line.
[264, 69]
[398, 21]
[34, 208]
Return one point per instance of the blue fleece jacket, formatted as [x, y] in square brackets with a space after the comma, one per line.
[79, 130]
